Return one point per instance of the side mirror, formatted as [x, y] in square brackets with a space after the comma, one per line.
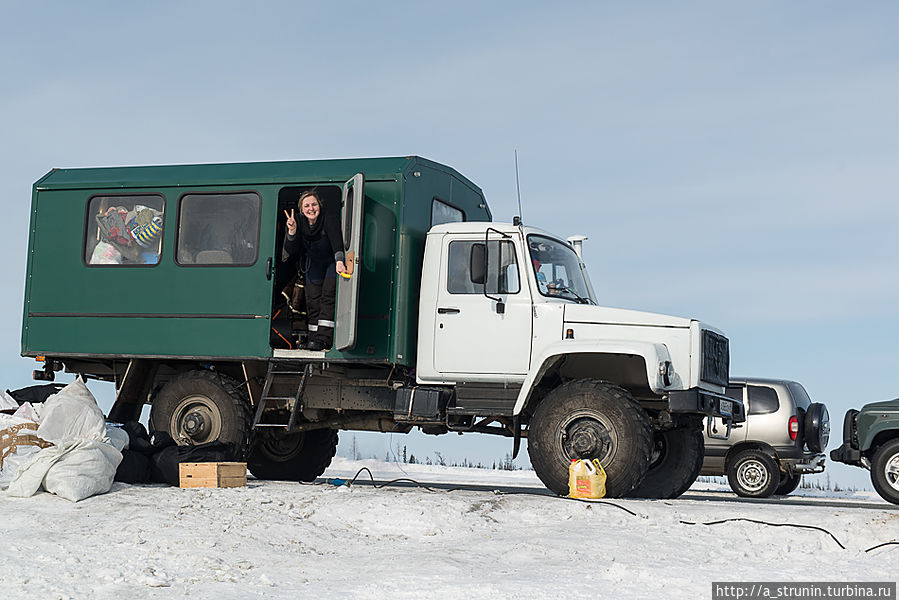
[478, 264]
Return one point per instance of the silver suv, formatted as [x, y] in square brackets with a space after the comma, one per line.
[783, 438]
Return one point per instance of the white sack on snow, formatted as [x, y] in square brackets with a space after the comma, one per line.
[14, 419]
[117, 436]
[17, 445]
[74, 470]
[7, 402]
[70, 414]
[30, 476]
[81, 463]
[14, 462]
[27, 412]
[85, 470]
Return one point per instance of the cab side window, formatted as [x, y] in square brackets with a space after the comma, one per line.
[735, 392]
[218, 229]
[124, 230]
[502, 269]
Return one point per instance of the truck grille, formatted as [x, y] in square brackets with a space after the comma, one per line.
[715, 358]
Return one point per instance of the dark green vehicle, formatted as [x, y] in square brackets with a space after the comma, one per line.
[191, 316]
[169, 282]
[871, 441]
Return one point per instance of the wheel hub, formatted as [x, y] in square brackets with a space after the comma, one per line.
[587, 438]
[196, 420]
[891, 472]
[752, 475]
[194, 424]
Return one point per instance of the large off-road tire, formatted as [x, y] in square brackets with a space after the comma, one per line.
[885, 471]
[299, 456]
[197, 407]
[753, 474]
[788, 484]
[677, 456]
[590, 419]
[817, 427]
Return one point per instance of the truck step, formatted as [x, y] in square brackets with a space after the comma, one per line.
[291, 379]
[484, 399]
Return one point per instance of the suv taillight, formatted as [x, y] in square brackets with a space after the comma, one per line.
[794, 427]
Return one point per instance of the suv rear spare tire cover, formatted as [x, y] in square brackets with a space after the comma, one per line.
[817, 427]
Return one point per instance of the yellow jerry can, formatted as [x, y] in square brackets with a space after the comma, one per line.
[586, 479]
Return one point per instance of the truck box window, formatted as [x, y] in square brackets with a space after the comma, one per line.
[124, 230]
[218, 229]
[441, 212]
[502, 271]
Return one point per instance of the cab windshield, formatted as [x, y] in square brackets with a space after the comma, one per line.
[558, 270]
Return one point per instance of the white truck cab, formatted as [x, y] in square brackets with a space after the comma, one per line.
[508, 318]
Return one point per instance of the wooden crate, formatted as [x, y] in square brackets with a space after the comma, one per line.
[213, 474]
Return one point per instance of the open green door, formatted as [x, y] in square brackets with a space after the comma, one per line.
[348, 287]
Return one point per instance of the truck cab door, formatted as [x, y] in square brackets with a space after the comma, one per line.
[482, 328]
[347, 309]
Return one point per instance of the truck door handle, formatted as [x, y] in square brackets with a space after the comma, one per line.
[268, 268]
[448, 311]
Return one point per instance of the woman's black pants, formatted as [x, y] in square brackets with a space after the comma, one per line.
[320, 299]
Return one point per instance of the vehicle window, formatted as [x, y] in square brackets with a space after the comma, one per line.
[124, 230]
[347, 212]
[502, 269]
[558, 270]
[441, 212]
[735, 392]
[762, 400]
[800, 396]
[218, 229]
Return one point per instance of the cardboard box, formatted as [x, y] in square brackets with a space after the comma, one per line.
[213, 474]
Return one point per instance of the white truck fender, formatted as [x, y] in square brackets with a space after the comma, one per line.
[653, 355]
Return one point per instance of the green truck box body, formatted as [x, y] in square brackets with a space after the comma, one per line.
[171, 310]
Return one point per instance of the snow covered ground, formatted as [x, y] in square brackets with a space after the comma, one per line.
[283, 540]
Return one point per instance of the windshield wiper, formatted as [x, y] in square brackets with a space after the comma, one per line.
[580, 299]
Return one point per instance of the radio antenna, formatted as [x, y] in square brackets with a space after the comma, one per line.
[518, 186]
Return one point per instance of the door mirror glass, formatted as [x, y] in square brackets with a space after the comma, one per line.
[478, 263]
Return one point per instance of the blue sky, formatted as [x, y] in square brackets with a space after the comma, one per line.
[733, 162]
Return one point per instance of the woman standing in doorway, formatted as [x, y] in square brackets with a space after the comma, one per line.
[320, 241]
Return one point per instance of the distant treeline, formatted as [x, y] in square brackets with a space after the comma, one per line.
[404, 455]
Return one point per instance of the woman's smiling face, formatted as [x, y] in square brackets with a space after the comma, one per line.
[311, 208]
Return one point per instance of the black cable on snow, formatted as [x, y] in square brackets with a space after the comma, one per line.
[338, 482]
[892, 543]
[770, 525]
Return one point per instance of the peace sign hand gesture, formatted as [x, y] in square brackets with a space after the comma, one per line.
[291, 222]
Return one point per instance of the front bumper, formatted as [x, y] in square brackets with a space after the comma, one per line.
[706, 403]
[848, 452]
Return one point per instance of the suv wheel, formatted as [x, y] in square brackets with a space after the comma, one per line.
[753, 474]
[588, 419]
[885, 471]
[788, 485]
